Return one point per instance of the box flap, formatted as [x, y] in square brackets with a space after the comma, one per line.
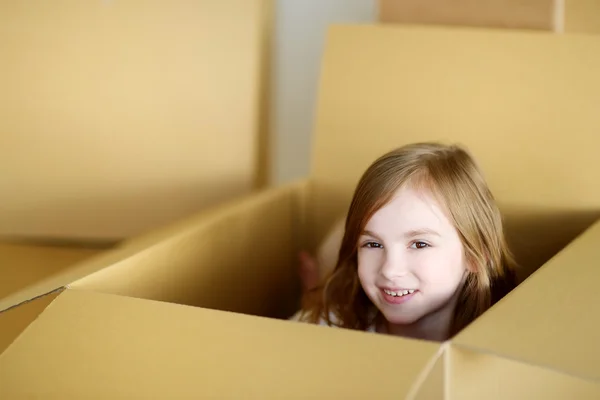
[432, 386]
[47, 268]
[15, 320]
[531, 14]
[212, 218]
[255, 240]
[581, 15]
[161, 350]
[475, 376]
[500, 92]
[179, 83]
[26, 265]
[549, 319]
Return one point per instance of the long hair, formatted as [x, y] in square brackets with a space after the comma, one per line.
[452, 176]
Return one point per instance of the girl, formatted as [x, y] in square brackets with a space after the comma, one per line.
[423, 252]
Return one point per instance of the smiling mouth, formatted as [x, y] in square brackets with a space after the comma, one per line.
[398, 293]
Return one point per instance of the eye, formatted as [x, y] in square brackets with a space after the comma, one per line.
[419, 245]
[372, 245]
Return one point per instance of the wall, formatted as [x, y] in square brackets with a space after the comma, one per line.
[300, 28]
[116, 118]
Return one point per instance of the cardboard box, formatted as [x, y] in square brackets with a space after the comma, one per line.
[108, 115]
[23, 265]
[581, 16]
[119, 117]
[194, 310]
[515, 14]
[547, 15]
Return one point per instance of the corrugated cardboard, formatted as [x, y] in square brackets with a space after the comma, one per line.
[117, 117]
[515, 14]
[108, 119]
[525, 103]
[547, 15]
[582, 16]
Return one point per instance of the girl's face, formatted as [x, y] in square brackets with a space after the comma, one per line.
[410, 258]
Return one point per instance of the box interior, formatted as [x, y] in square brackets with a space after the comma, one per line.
[548, 320]
[503, 94]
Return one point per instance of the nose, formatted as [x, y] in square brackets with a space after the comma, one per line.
[394, 265]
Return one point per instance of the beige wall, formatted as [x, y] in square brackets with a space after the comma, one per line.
[300, 28]
[118, 116]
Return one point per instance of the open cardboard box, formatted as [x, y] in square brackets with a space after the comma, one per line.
[195, 310]
[68, 187]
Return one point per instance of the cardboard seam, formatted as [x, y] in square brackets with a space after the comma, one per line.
[414, 389]
[529, 363]
[59, 289]
[20, 335]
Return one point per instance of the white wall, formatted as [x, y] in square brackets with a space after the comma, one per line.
[299, 33]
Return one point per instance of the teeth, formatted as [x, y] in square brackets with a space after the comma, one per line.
[399, 293]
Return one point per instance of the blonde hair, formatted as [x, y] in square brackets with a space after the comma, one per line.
[452, 176]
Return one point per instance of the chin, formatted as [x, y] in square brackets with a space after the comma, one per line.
[402, 319]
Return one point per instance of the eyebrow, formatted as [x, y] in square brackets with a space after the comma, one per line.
[409, 234]
[422, 231]
[368, 233]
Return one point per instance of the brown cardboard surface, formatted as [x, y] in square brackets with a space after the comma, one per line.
[475, 376]
[99, 346]
[433, 385]
[530, 14]
[536, 236]
[249, 247]
[15, 320]
[582, 16]
[505, 94]
[136, 115]
[22, 265]
[131, 252]
[550, 319]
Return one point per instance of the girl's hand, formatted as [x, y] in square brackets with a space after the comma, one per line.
[308, 271]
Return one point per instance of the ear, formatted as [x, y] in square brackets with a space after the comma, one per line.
[470, 268]
[472, 264]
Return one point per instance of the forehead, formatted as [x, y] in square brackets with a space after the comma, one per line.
[410, 209]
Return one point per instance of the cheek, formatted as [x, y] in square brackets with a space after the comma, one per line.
[367, 266]
[444, 267]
